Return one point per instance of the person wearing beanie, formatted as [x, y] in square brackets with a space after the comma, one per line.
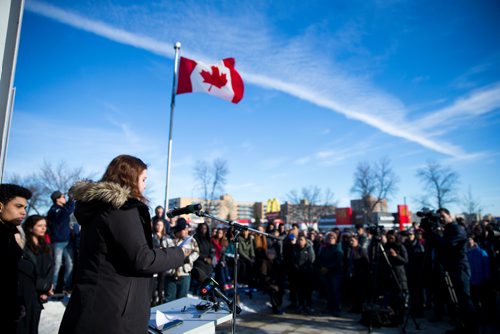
[178, 280]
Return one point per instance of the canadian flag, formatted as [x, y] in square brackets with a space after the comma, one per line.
[220, 80]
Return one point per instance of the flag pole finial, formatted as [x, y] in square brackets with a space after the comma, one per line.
[177, 45]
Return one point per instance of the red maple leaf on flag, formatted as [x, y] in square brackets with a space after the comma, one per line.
[215, 78]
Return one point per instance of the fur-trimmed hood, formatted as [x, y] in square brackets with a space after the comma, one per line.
[107, 192]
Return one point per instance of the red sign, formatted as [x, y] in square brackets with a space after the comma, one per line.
[343, 216]
[403, 216]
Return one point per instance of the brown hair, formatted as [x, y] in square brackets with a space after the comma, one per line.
[28, 225]
[163, 230]
[125, 170]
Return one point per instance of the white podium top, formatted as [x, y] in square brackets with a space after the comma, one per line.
[194, 321]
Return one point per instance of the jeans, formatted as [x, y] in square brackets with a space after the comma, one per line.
[61, 249]
[176, 287]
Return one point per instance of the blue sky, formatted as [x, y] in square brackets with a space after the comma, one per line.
[327, 84]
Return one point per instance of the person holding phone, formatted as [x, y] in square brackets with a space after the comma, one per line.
[117, 260]
[178, 280]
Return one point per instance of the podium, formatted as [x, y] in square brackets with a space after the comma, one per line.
[194, 321]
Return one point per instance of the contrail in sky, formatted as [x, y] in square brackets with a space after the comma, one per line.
[411, 131]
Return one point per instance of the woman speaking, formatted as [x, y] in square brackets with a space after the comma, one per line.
[117, 259]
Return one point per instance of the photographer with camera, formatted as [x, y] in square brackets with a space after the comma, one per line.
[387, 303]
[452, 252]
[396, 288]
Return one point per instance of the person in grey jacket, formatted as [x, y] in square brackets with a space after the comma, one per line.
[246, 258]
[303, 259]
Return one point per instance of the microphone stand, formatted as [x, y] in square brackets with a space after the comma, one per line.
[238, 228]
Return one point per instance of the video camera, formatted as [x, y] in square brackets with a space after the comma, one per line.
[429, 220]
[375, 229]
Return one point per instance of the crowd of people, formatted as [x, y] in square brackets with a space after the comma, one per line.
[451, 268]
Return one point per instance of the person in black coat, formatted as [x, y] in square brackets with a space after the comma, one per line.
[396, 282]
[414, 270]
[331, 262]
[35, 273]
[202, 267]
[303, 259]
[271, 280]
[13, 203]
[453, 256]
[288, 265]
[117, 260]
[159, 241]
[358, 274]
[398, 258]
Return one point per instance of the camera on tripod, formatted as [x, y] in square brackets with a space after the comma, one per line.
[429, 220]
[495, 230]
[375, 230]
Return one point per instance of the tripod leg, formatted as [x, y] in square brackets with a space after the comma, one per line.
[417, 326]
[403, 328]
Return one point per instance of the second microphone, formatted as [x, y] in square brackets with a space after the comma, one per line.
[192, 208]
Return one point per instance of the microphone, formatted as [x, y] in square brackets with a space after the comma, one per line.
[192, 208]
[211, 286]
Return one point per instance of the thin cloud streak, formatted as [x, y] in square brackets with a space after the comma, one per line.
[400, 130]
[100, 29]
[479, 102]
[390, 114]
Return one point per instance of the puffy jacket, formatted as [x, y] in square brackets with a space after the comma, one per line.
[117, 262]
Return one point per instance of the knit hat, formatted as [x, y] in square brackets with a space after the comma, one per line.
[180, 225]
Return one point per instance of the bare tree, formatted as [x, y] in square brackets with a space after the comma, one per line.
[374, 183]
[440, 184]
[30, 182]
[310, 204]
[58, 177]
[471, 205]
[48, 179]
[211, 180]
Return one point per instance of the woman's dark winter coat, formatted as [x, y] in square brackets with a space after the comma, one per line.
[331, 257]
[398, 263]
[117, 261]
[35, 279]
[303, 259]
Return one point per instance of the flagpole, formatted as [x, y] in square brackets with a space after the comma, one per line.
[177, 47]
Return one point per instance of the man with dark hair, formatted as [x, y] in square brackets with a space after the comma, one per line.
[58, 219]
[453, 253]
[13, 203]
